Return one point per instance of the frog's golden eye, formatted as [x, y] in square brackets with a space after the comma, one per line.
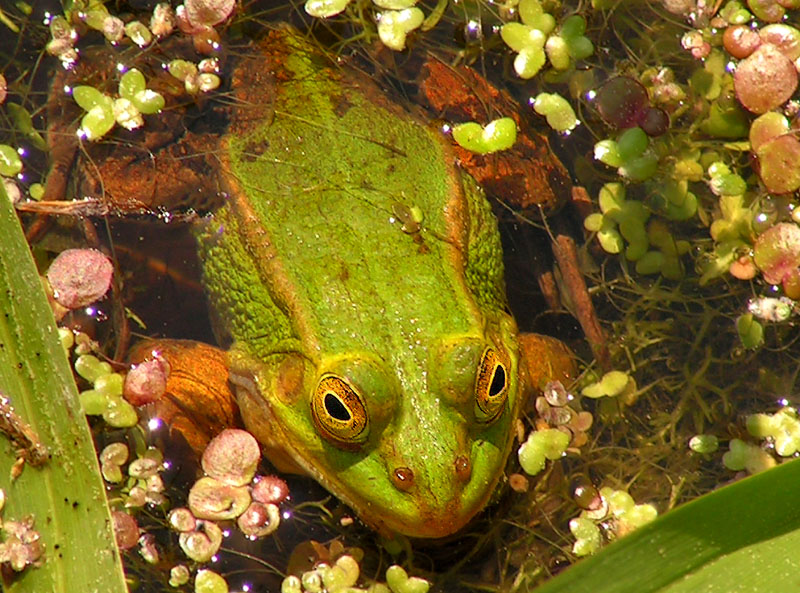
[491, 386]
[339, 412]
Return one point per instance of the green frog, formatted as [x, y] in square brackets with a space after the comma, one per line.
[356, 279]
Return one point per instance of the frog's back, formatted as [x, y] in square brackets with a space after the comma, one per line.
[335, 177]
[359, 275]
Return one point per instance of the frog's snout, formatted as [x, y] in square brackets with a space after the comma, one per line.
[403, 477]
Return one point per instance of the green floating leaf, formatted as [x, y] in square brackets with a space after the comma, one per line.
[751, 332]
[469, 135]
[704, 443]
[529, 61]
[557, 52]
[10, 163]
[559, 113]
[97, 122]
[540, 445]
[632, 143]
[148, 101]
[531, 13]
[131, 83]
[88, 97]
[497, 135]
[518, 36]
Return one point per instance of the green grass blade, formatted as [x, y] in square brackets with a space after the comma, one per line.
[66, 495]
[744, 538]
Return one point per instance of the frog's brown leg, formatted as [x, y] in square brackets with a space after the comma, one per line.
[543, 359]
[197, 401]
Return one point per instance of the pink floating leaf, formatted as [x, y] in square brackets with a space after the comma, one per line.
[764, 80]
[79, 277]
[777, 251]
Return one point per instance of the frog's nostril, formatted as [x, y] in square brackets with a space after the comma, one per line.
[403, 478]
[463, 468]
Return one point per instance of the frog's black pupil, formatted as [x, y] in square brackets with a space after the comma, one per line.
[498, 381]
[335, 407]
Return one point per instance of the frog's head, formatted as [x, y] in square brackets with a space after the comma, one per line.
[415, 445]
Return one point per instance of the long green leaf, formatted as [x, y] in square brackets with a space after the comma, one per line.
[65, 495]
[744, 538]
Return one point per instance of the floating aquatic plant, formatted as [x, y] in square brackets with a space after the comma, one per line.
[535, 41]
[751, 332]
[623, 102]
[611, 384]
[778, 152]
[559, 113]
[629, 154]
[765, 79]
[619, 515]
[747, 456]
[10, 162]
[395, 25]
[497, 135]
[399, 18]
[540, 446]
[781, 428]
[102, 112]
[704, 444]
[777, 251]
[620, 218]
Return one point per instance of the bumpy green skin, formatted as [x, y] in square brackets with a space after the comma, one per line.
[309, 273]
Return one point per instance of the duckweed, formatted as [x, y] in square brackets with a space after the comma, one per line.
[495, 136]
[782, 429]
[611, 384]
[10, 163]
[704, 443]
[395, 25]
[746, 456]
[541, 445]
[208, 581]
[559, 113]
